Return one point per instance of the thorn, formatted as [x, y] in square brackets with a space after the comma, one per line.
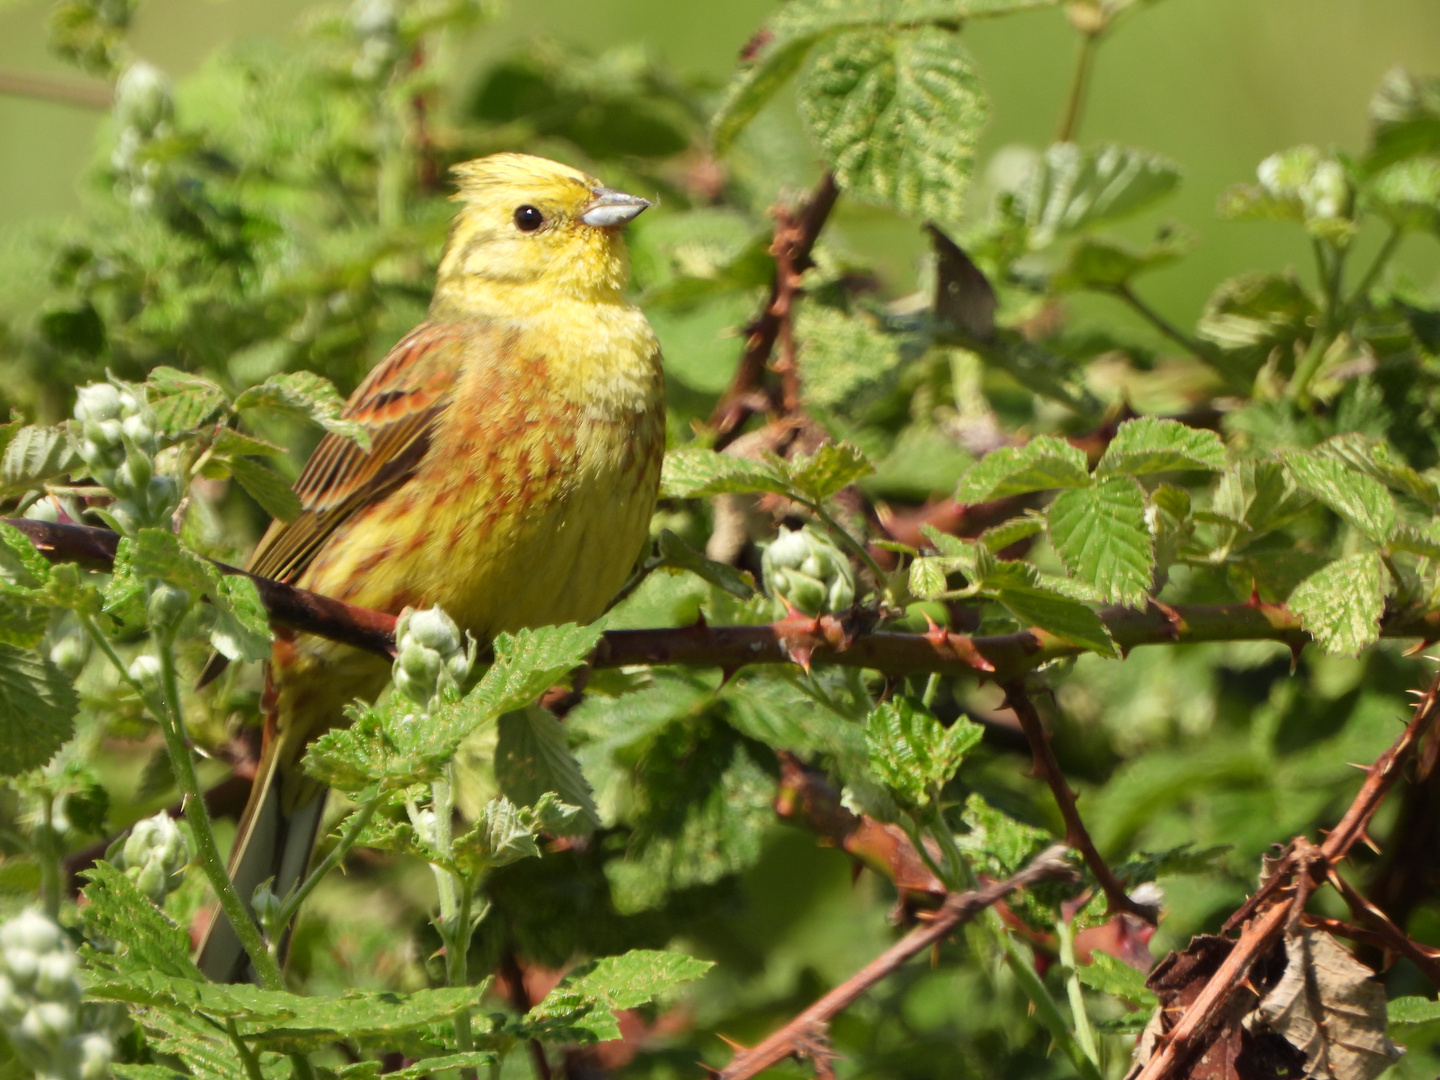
[1366, 839]
[1358, 765]
[739, 1048]
[700, 620]
[1418, 647]
[728, 673]
[1422, 694]
[1254, 600]
[1296, 648]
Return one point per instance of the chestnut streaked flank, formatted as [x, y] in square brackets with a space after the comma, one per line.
[516, 438]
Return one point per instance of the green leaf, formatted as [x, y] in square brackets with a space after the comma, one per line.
[1377, 459]
[1060, 615]
[1250, 317]
[999, 537]
[529, 662]
[695, 473]
[896, 113]
[1359, 499]
[1404, 118]
[754, 85]
[1407, 194]
[678, 555]
[181, 401]
[847, 360]
[1260, 493]
[305, 394]
[1412, 1010]
[1103, 263]
[266, 487]
[1071, 188]
[911, 753]
[1110, 976]
[150, 941]
[475, 1060]
[37, 710]
[616, 982]
[34, 455]
[1416, 541]
[1151, 444]
[1101, 535]
[242, 625]
[927, 577]
[1042, 463]
[1301, 184]
[1340, 605]
[533, 757]
[831, 469]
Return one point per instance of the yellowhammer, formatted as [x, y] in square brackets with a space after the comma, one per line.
[516, 438]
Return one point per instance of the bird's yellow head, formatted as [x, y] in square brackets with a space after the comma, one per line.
[531, 229]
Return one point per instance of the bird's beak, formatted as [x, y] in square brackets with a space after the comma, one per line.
[610, 208]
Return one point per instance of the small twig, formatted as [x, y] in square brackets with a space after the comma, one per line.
[1190, 1034]
[958, 909]
[1076, 835]
[56, 89]
[738, 402]
[1159, 322]
[1395, 939]
[788, 238]
[1069, 125]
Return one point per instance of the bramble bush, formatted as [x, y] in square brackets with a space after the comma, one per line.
[901, 539]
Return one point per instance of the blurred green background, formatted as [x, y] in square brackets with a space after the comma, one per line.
[1215, 84]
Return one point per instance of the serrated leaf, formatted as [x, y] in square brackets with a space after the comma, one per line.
[1101, 535]
[303, 393]
[616, 982]
[529, 662]
[1340, 605]
[37, 710]
[1413, 1010]
[1260, 494]
[1060, 615]
[34, 455]
[911, 753]
[150, 941]
[846, 359]
[1362, 501]
[267, 488]
[242, 625]
[896, 113]
[1416, 541]
[1120, 980]
[532, 757]
[475, 1060]
[694, 473]
[927, 577]
[1377, 459]
[1407, 194]
[830, 469]
[1071, 188]
[999, 537]
[181, 401]
[1044, 462]
[1152, 444]
[231, 443]
[1250, 317]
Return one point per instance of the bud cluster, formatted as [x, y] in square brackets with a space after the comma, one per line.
[118, 443]
[808, 572]
[431, 655]
[376, 25]
[144, 109]
[153, 856]
[40, 1002]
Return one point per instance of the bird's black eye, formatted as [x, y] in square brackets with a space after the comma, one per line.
[528, 219]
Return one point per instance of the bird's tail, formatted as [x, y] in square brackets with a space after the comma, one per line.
[272, 844]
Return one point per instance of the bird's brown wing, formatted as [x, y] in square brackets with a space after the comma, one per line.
[398, 404]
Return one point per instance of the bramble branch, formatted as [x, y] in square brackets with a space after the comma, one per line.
[804, 1035]
[1280, 902]
[829, 639]
[746, 393]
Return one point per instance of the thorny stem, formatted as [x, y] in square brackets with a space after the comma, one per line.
[192, 800]
[958, 909]
[1084, 1033]
[353, 829]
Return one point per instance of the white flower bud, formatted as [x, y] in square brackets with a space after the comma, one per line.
[96, 402]
[48, 1022]
[167, 604]
[140, 427]
[30, 930]
[154, 856]
[807, 571]
[145, 670]
[23, 965]
[96, 1050]
[162, 495]
[70, 653]
[12, 1005]
[143, 99]
[431, 628]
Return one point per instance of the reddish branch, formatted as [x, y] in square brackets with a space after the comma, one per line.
[747, 393]
[1280, 902]
[830, 639]
[1076, 835]
[804, 1035]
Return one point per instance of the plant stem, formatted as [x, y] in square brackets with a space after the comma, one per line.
[247, 1056]
[456, 894]
[347, 840]
[167, 712]
[47, 856]
[1382, 259]
[1046, 1010]
[1069, 125]
[1155, 319]
[1084, 1033]
[848, 541]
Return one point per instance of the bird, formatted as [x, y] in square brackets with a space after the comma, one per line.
[516, 438]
